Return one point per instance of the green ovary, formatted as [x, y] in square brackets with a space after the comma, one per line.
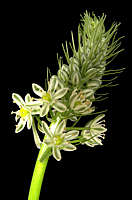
[47, 97]
[58, 140]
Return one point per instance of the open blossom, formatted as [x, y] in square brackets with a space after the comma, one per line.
[93, 136]
[58, 139]
[50, 97]
[24, 114]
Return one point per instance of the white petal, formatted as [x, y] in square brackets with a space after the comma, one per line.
[20, 126]
[80, 108]
[34, 103]
[69, 147]
[87, 92]
[56, 153]
[38, 90]
[28, 98]
[29, 122]
[35, 110]
[70, 135]
[46, 129]
[90, 110]
[18, 99]
[60, 107]
[73, 100]
[99, 129]
[44, 110]
[60, 93]
[98, 118]
[53, 83]
[93, 84]
[60, 128]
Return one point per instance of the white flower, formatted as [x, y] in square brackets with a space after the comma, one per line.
[24, 114]
[58, 139]
[80, 101]
[50, 98]
[95, 133]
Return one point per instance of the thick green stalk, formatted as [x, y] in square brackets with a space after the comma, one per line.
[37, 178]
[39, 170]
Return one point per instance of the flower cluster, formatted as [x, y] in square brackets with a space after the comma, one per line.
[93, 136]
[58, 139]
[72, 92]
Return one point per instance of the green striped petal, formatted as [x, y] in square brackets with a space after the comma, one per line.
[53, 83]
[60, 107]
[98, 118]
[46, 129]
[56, 153]
[38, 90]
[60, 128]
[70, 135]
[28, 98]
[69, 147]
[60, 93]
[29, 121]
[44, 110]
[20, 126]
[18, 99]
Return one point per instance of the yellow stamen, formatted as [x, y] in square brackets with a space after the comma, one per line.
[23, 112]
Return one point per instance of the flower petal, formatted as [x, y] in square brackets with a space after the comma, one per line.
[88, 111]
[35, 111]
[29, 121]
[80, 108]
[34, 103]
[56, 153]
[60, 93]
[60, 128]
[73, 99]
[87, 92]
[70, 135]
[46, 129]
[98, 118]
[60, 107]
[44, 110]
[53, 83]
[18, 99]
[20, 126]
[38, 90]
[28, 98]
[99, 129]
[69, 147]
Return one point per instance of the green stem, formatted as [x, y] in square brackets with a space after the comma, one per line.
[37, 178]
[39, 169]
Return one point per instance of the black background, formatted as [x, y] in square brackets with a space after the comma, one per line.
[33, 36]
